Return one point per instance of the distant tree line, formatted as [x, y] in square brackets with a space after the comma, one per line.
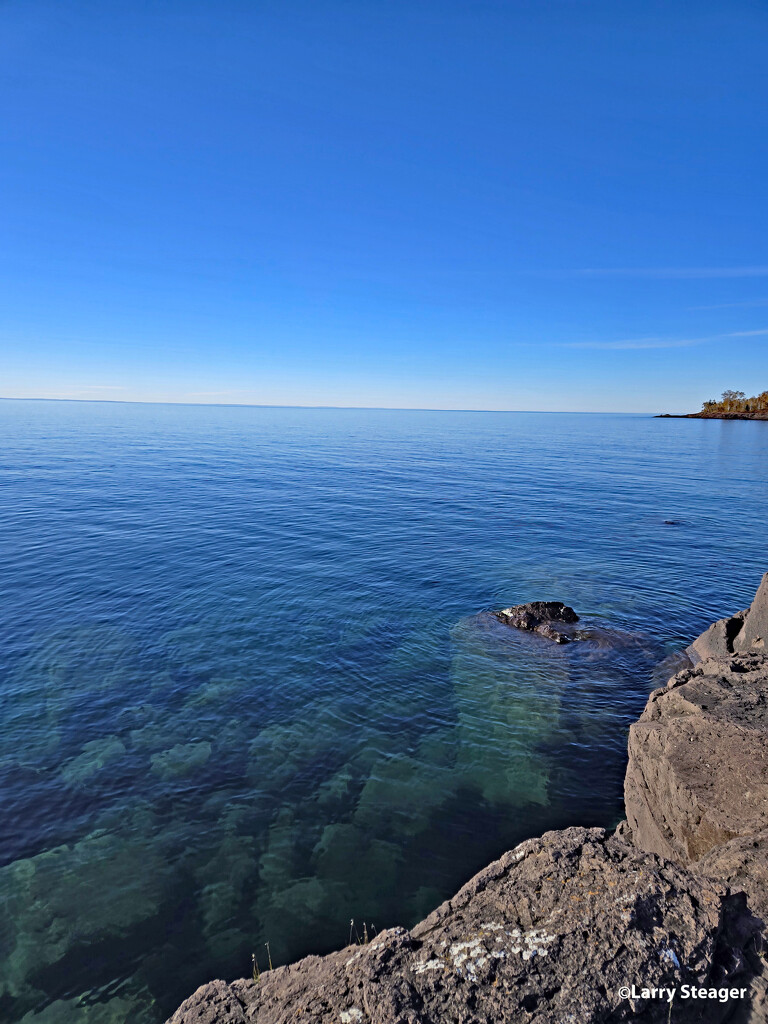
[737, 401]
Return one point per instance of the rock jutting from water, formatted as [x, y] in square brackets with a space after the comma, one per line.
[546, 618]
[742, 633]
[665, 919]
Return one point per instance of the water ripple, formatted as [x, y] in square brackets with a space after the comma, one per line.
[249, 690]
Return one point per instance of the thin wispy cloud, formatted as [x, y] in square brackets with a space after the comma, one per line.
[645, 343]
[214, 394]
[732, 305]
[638, 343]
[672, 273]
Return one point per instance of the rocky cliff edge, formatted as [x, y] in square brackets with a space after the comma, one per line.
[663, 920]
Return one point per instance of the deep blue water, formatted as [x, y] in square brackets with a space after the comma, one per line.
[245, 691]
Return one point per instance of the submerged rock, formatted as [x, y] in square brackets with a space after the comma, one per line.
[507, 712]
[135, 1007]
[181, 759]
[41, 897]
[95, 755]
[64, 672]
[541, 617]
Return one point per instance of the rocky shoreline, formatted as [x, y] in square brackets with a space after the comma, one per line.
[712, 416]
[663, 920]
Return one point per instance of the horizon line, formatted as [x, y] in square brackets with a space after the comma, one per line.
[370, 408]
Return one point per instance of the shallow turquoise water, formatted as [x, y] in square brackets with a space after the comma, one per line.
[246, 693]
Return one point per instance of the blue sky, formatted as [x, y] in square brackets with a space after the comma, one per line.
[503, 205]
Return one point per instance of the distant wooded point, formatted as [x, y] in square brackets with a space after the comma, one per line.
[736, 402]
[733, 405]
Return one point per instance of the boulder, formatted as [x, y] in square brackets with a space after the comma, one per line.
[717, 640]
[698, 760]
[742, 865]
[753, 635]
[744, 632]
[217, 1003]
[541, 617]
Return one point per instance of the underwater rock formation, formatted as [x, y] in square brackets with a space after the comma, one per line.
[41, 896]
[558, 927]
[507, 712]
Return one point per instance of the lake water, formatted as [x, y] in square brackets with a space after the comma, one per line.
[246, 694]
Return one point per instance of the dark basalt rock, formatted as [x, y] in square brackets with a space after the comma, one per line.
[542, 617]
